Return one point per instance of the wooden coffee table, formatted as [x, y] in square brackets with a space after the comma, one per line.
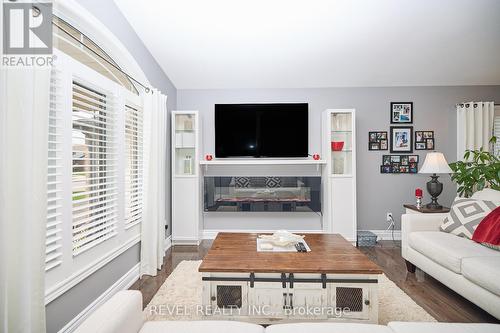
[335, 281]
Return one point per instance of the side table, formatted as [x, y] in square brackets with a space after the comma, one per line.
[412, 209]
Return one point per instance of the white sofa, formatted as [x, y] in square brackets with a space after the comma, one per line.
[470, 269]
[123, 314]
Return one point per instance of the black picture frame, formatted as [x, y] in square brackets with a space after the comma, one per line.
[378, 140]
[399, 164]
[396, 115]
[424, 140]
[409, 137]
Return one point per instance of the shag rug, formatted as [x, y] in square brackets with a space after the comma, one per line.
[180, 296]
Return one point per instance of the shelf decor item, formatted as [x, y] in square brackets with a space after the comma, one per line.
[337, 145]
[377, 140]
[316, 157]
[424, 140]
[401, 112]
[208, 157]
[401, 139]
[435, 164]
[418, 196]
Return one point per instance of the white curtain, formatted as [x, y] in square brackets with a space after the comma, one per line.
[155, 157]
[474, 126]
[24, 100]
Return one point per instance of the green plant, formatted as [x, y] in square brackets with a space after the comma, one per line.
[478, 170]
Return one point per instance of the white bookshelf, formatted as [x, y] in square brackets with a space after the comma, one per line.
[338, 134]
[186, 184]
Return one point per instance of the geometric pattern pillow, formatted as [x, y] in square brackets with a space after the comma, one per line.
[272, 182]
[465, 215]
[241, 182]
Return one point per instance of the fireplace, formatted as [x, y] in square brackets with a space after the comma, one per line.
[262, 194]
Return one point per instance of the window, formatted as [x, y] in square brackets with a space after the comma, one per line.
[95, 148]
[94, 169]
[133, 171]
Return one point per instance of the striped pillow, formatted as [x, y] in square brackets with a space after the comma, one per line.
[465, 215]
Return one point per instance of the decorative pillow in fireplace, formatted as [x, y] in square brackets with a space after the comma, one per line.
[465, 215]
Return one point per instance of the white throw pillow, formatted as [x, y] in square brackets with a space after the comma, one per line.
[466, 214]
[487, 194]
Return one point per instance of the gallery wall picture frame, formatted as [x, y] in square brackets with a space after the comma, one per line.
[378, 140]
[394, 164]
[401, 139]
[402, 113]
[424, 140]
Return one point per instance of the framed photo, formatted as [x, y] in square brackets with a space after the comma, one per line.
[429, 144]
[401, 112]
[377, 141]
[396, 164]
[401, 139]
[424, 140]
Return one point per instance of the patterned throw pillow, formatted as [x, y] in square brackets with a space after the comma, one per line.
[272, 182]
[465, 215]
[241, 182]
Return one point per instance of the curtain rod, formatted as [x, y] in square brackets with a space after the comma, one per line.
[495, 104]
[146, 88]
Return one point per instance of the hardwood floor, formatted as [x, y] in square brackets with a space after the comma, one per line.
[438, 300]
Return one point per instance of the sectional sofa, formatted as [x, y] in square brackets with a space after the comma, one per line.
[123, 314]
[470, 269]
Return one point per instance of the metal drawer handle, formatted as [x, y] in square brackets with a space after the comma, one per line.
[285, 306]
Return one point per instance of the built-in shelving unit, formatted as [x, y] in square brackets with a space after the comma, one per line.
[186, 185]
[339, 174]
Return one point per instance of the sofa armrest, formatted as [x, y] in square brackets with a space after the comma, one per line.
[418, 222]
[122, 313]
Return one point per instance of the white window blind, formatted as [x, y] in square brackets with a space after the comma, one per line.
[53, 250]
[94, 180]
[133, 169]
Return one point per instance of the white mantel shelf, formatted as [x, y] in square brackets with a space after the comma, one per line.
[262, 161]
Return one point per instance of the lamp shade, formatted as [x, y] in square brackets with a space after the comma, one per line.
[435, 163]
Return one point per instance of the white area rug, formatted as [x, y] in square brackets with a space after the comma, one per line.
[180, 297]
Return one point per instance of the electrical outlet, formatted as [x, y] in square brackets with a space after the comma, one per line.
[388, 217]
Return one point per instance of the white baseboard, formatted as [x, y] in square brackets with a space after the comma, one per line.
[386, 234]
[168, 243]
[122, 284]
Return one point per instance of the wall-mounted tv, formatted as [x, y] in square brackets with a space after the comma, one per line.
[261, 130]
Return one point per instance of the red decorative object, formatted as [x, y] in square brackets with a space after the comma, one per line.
[316, 157]
[208, 157]
[337, 145]
[488, 230]
[418, 193]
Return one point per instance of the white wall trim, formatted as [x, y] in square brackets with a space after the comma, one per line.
[68, 283]
[168, 242]
[386, 234]
[123, 283]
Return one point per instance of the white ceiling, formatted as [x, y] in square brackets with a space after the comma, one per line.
[207, 44]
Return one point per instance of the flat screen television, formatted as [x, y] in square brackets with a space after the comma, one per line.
[261, 130]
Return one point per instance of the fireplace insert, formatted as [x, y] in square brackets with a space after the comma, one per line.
[262, 194]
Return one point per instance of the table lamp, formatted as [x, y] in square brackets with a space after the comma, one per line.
[435, 164]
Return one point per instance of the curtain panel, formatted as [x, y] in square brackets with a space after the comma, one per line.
[474, 126]
[23, 202]
[155, 173]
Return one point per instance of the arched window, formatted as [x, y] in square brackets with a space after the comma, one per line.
[71, 41]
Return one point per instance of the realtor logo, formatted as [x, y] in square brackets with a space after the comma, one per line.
[27, 28]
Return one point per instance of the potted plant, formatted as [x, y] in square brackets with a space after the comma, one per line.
[479, 169]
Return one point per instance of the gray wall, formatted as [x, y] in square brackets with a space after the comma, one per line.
[434, 109]
[67, 306]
